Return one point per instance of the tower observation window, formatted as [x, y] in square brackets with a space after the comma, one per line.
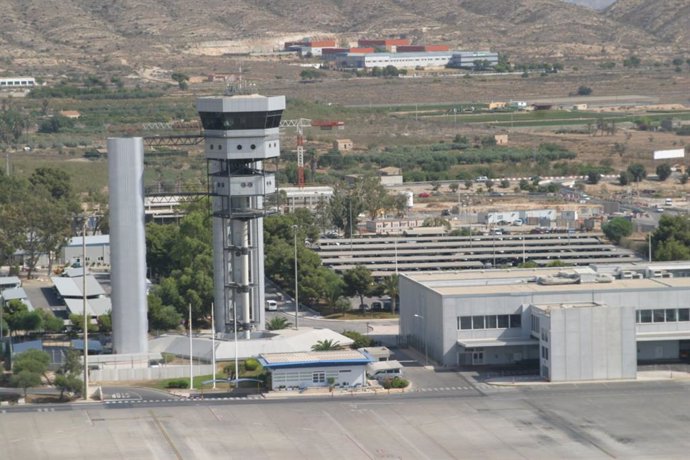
[240, 120]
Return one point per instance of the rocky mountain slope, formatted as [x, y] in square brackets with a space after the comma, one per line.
[46, 32]
[668, 20]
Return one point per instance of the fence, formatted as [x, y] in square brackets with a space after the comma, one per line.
[147, 373]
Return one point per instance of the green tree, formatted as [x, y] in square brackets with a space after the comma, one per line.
[55, 181]
[78, 323]
[19, 318]
[358, 281]
[51, 323]
[624, 178]
[683, 179]
[55, 124]
[162, 317]
[584, 91]
[326, 345]
[13, 123]
[637, 172]
[25, 380]
[436, 222]
[632, 61]
[453, 187]
[68, 383]
[67, 378]
[593, 177]
[360, 340]
[671, 239]
[663, 171]
[277, 323]
[310, 74]
[187, 274]
[617, 228]
[181, 79]
[391, 288]
[35, 361]
[105, 322]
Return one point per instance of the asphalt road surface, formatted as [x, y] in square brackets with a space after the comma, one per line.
[593, 421]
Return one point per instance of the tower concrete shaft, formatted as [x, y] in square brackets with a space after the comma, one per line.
[127, 244]
[240, 133]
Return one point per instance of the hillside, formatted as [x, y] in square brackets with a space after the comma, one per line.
[78, 34]
[668, 20]
[594, 4]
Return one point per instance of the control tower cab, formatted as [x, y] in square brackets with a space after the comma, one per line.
[240, 132]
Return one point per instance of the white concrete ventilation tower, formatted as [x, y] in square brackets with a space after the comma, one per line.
[240, 132]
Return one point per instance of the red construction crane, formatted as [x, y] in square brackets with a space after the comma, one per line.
[299, 124]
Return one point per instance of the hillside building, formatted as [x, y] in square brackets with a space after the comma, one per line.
[17, 82]
[467, 59]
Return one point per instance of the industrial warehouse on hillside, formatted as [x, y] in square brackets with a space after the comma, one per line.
[581, 323]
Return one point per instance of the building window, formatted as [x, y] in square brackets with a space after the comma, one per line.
[684, 314]
[659, 316]
[645, 316]
[503, 321]
[477, 322]
[515, 321]
[491, 322]
[318, 377]
[465, 322]
[535, 324]
[671, 315]
[545, 353]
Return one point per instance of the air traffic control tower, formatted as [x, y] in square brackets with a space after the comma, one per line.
[240, 132]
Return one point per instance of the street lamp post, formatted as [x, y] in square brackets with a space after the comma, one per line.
[86, 313]
[294, 228]
[426, 350]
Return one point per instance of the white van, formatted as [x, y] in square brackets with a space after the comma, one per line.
[669, 202]
[382, 370]
[271, 305]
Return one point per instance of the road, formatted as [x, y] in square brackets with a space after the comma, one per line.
[593, 421]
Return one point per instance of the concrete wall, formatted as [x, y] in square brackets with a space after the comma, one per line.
[422, 332]
[591, 343]
[73, 253]
[147, 373]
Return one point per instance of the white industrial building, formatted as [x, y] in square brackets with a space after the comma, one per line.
[97, 250]
[467, 59]
[399, 60]
[304, 197]
[341, 368]
[17, 82]
[581, 323]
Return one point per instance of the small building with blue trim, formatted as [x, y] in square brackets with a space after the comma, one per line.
[341, 368]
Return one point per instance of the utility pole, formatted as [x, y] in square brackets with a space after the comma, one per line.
[191, 360]
[213, 344]
[86, 313]
[294, 229]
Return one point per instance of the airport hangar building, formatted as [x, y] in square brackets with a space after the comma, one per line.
[591, 323]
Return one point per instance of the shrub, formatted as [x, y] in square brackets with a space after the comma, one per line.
[179, 383]
[251, 364]
[395, 382]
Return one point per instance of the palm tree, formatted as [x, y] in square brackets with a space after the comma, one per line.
[390, 287]
[326, 345]
[277, 322]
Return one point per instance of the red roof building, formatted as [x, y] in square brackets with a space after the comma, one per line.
[421, 48]
[386, 42]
